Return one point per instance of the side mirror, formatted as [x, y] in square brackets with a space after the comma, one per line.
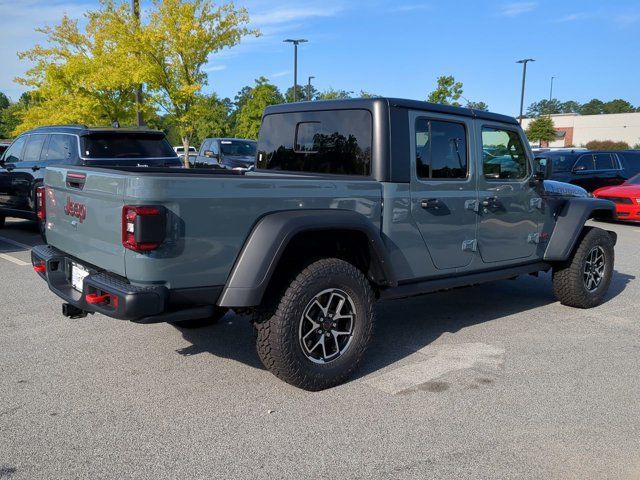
[210, 154]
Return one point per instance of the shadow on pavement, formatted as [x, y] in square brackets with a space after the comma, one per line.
[21, 231]
[404, 326]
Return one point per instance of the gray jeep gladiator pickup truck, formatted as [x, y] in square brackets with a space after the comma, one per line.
[351, 201]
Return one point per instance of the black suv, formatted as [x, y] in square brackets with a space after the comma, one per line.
[23, 164]
[589, 169]
[234, 153]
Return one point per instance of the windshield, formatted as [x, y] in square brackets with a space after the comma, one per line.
[634, 180]
[238, 147]
[126, 145]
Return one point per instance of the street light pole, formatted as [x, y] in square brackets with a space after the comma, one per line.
[551, 91]
[309, 88]
[524, 76]
[135, 5]
[296, 42]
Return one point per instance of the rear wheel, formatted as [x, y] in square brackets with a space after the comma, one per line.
[583, 281]
[318, 331]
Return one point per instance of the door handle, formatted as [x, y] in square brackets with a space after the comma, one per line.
[431, 204]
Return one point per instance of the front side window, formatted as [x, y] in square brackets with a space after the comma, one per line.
[34, 148]
[503, 155]
[585, 162]
[604, 161]
[14, 152]
[60, 149]
[441, 150]
[331, 142]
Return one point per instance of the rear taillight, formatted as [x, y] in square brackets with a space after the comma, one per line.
[143, 227]
[41, 204]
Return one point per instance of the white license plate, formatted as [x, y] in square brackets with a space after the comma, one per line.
[77, 276]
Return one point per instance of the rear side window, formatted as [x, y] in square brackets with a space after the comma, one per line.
[333, 142]
[585, 162]
[125, 145]
[604, 161]
[34, 148]
[503, 155]
[441, 149]
[14, 152]
[60, 148]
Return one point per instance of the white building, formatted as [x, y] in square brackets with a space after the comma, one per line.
[576, 130]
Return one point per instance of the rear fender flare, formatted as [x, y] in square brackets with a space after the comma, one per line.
[269, 238]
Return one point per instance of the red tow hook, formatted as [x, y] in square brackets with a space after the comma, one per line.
[95, 298]
[40, 268]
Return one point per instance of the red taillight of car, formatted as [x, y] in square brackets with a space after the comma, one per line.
[143, 227]
[40, 267]
[41, 204]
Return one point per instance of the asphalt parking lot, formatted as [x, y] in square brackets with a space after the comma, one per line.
[494, 381]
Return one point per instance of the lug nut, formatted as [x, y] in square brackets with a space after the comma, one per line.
[319, 330]
[327, 334]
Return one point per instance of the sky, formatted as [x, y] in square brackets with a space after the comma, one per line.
[399, 48]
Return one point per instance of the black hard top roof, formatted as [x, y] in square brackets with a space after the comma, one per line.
[85, 130]
[370, 104]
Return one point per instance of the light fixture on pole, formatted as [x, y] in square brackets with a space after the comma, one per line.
[524, 76]
[296, 42]
[309, 88]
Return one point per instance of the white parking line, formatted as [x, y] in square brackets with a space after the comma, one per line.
[442, 359]
[16, 244]
[11, 259]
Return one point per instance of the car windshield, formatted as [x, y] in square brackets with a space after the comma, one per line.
[561, 163]
[634, 180]
[238, 147]
[126, 145]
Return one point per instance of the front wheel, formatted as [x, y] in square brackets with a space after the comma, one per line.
[583, 281]
[319, 330]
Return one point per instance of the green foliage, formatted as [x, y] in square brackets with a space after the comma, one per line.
[618, 106]
[478, 106]
[302, 94]
[447, 92]
[570, 106]
[607, 145]
[333, 94]
[249, 116]
[365, 94]
[544, 107]
[4, 101]
[592, 107]
[541, 129]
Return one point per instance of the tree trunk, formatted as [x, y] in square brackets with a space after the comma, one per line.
[185, 143]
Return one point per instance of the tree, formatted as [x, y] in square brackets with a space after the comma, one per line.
[4, 101]
[302, 94]
[249, 116]
[365, 94]
[478, 106]
[333, 94]
[570, 106]
[544, 107]
[618, 106]
[541, 129]
[447, 92]
[592, 107]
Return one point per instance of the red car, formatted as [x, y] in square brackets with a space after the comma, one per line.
[625, 196]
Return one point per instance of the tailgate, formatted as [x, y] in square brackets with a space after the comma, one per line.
[84, 215]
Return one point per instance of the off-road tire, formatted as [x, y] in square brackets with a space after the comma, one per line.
[202, 322]
[568, 277]
[277, 325]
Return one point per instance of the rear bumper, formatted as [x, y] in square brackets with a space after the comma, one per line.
[120, 299]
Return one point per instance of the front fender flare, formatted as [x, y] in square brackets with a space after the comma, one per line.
[269, 238]
[570, 222]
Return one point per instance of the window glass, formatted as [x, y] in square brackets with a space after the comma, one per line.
[60, 148]
[604, 161]
[13, 153]
[205, 146]
[241, 148]
[585, 162]
[34, 148]
[562, 163]
[126, 145]
[503, 155]
[441, 149]
[334, 142]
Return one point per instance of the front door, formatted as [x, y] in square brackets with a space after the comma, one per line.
[11, 157]
[443, 187]
[509, 206]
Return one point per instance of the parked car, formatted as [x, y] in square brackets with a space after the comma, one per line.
[625, 196]
[234, 153]
[3, 146]
[23, 164]
[589, 169]
[350, 201]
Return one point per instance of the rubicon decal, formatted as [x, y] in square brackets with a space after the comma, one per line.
[75, 209]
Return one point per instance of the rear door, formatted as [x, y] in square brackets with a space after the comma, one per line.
[443, 187]
[84, 215]
[509, 206]
[26, 171]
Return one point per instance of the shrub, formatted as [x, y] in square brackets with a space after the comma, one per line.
[636, 146]
[607, 145]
